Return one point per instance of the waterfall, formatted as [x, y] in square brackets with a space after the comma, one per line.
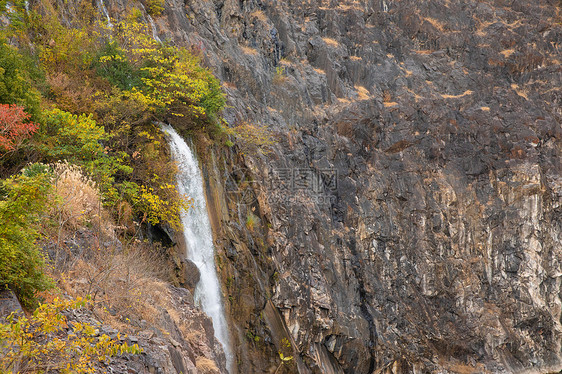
[105, 13]
[198, 236]
[154, 32]
[152, 25]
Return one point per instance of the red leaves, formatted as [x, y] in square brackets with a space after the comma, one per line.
[14, 128]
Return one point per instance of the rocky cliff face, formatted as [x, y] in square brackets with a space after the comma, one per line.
[409, 218]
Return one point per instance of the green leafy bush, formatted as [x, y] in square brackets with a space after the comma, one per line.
[71, 137]
[79, 139]
[16, 79]
[113, 64]
[169, 80]
[23, 201]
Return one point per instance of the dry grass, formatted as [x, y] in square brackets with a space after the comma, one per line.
[424, 51]
[280, 75]
[390, 104]
[206, 366]
[77, 205]
[128, 283]
[519, 92]
[386, 97]
[416, 96]
[354, 6]
[465, 93]
[331, 42]
[508, 52]
[79, 202]
[482, 26]
[249, 51]
[260, 15]
[513, 24]
[363, 93]
[435, 23]
[230, 85]
[286, 62]
[355, 58]
[319, 71]
[191, 336]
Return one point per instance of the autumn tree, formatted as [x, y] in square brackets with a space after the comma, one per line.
[15, 127]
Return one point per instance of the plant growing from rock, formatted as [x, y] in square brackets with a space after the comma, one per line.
[285, 359]
[280, 75]
[252, 138]
[155, 7]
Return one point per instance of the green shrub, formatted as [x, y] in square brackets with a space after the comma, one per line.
[23, 201]
[71, 137]
[16, 79]
[112, 64]
[169, 80]
[79, 139]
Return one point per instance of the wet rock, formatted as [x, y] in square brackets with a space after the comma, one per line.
[191, 274]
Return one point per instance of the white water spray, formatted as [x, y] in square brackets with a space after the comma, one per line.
[198, 236]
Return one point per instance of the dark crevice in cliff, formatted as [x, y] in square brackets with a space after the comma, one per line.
[363, 303]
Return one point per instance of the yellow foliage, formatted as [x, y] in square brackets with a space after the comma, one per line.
[252, 138]
[160, 210]
[43, 342]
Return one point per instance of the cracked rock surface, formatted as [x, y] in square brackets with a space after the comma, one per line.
[439, 248]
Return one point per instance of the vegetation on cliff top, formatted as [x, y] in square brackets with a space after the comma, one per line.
[82, 153]
[91, 96]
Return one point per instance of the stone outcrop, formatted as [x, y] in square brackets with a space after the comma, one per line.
[409, 218]
[170, 347]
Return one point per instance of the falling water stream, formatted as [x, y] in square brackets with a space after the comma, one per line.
[152, 25]
[105, 13]
[199, 238]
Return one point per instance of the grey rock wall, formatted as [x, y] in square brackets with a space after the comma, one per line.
[439, 249]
